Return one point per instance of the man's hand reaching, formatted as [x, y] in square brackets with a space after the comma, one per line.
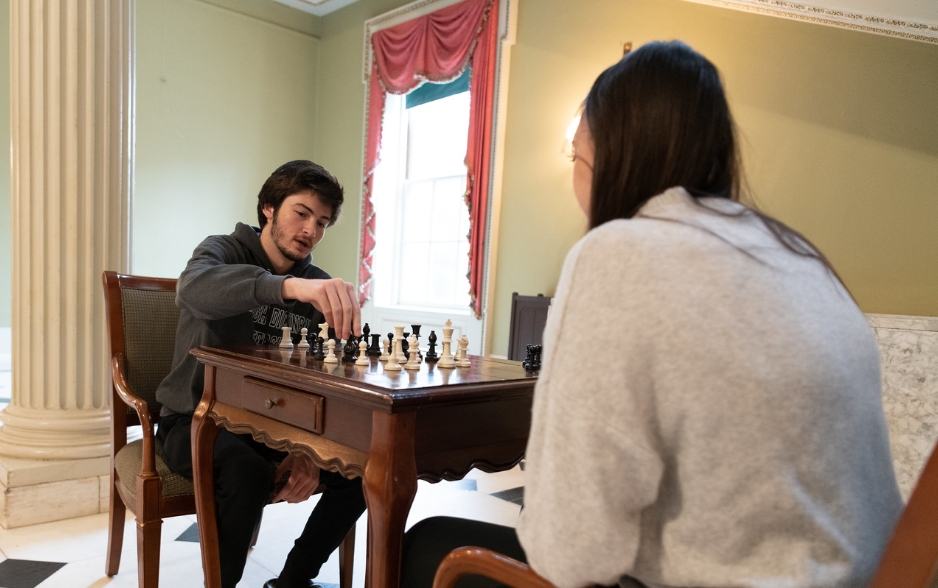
[335, 298]
[304, 478]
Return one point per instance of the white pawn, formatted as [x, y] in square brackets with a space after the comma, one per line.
[462, 352]
[446, 357]
[414, 362]
[330, 356]
[385, 348]
[398, 350]
[393, 365]
[304, 344]
[362, 354]
[285, 340]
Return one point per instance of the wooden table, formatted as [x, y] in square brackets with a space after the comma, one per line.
[390, 428]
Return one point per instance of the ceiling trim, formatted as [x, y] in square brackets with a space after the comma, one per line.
[317, 7]
[883, 25]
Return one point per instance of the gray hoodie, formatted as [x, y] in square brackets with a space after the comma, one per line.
[229, 295]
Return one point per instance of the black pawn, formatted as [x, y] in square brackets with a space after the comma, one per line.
[405, 346]
[431, 352]
[349, 349]
[374, 349]
[390, 342]
[365, 331]
[318, 348]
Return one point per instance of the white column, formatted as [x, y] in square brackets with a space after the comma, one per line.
[72, 110]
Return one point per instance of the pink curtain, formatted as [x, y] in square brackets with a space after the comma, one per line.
[437, 47]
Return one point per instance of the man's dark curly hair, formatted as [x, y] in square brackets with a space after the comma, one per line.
[299, 176]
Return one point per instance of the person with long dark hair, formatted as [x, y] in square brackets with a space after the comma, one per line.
[709, 410]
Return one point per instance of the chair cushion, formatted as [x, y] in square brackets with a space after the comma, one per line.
[128, 462]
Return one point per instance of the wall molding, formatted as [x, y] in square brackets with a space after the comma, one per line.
[893, 26]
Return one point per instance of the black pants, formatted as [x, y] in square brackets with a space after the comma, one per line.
[244, 479]
[428, 542]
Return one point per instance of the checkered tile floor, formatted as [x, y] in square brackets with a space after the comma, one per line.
[70, 554]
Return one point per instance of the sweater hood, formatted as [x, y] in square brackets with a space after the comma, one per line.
[250, 238]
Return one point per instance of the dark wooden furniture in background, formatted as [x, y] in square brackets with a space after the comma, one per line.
[141, 327]
[910, 559]
[528, 317]
[390, 428]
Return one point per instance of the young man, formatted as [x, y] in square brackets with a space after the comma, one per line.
[240, 289]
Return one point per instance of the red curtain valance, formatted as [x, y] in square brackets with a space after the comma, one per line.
[437, 47]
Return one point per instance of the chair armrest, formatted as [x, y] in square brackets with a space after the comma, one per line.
[476, 560]
[148, 467]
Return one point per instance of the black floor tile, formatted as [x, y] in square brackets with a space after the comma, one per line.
[23, 573]
[191, 534]
[515, 495]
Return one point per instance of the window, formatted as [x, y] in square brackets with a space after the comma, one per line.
[421, 265]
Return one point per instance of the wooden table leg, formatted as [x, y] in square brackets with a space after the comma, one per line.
[390, 485]
[204, 433]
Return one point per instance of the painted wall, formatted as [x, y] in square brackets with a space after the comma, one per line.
[6, 237]
[226, 92]
[339, 139]
[839, 134]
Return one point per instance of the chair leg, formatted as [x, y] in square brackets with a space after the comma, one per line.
[148, 553]
[347, 559]
[115, 533]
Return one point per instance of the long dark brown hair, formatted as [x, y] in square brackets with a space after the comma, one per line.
[659, 119]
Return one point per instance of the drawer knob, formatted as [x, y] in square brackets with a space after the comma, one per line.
[271, 403]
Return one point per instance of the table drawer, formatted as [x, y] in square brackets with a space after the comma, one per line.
[283, 404]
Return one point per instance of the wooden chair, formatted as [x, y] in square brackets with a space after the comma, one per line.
[910, 559]
[141, 325]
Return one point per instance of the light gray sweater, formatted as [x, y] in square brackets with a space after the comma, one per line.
[709, 412]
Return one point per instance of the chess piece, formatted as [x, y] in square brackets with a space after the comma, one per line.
[390, 342]
[348, 351]
[405, 344]
[324, 330]
[365, 331]
[398, 344]
[446, 359]
[532, 362]
[416, 331]
[374, 349]
[319, 348]
[285, 340]
[330, 356]
[393, 365]
[414, 362]
[462, 352]
[432, 356]
[304, 344]
[385, 350]
[362, 354]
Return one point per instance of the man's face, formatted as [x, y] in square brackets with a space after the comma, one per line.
[298, 225]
